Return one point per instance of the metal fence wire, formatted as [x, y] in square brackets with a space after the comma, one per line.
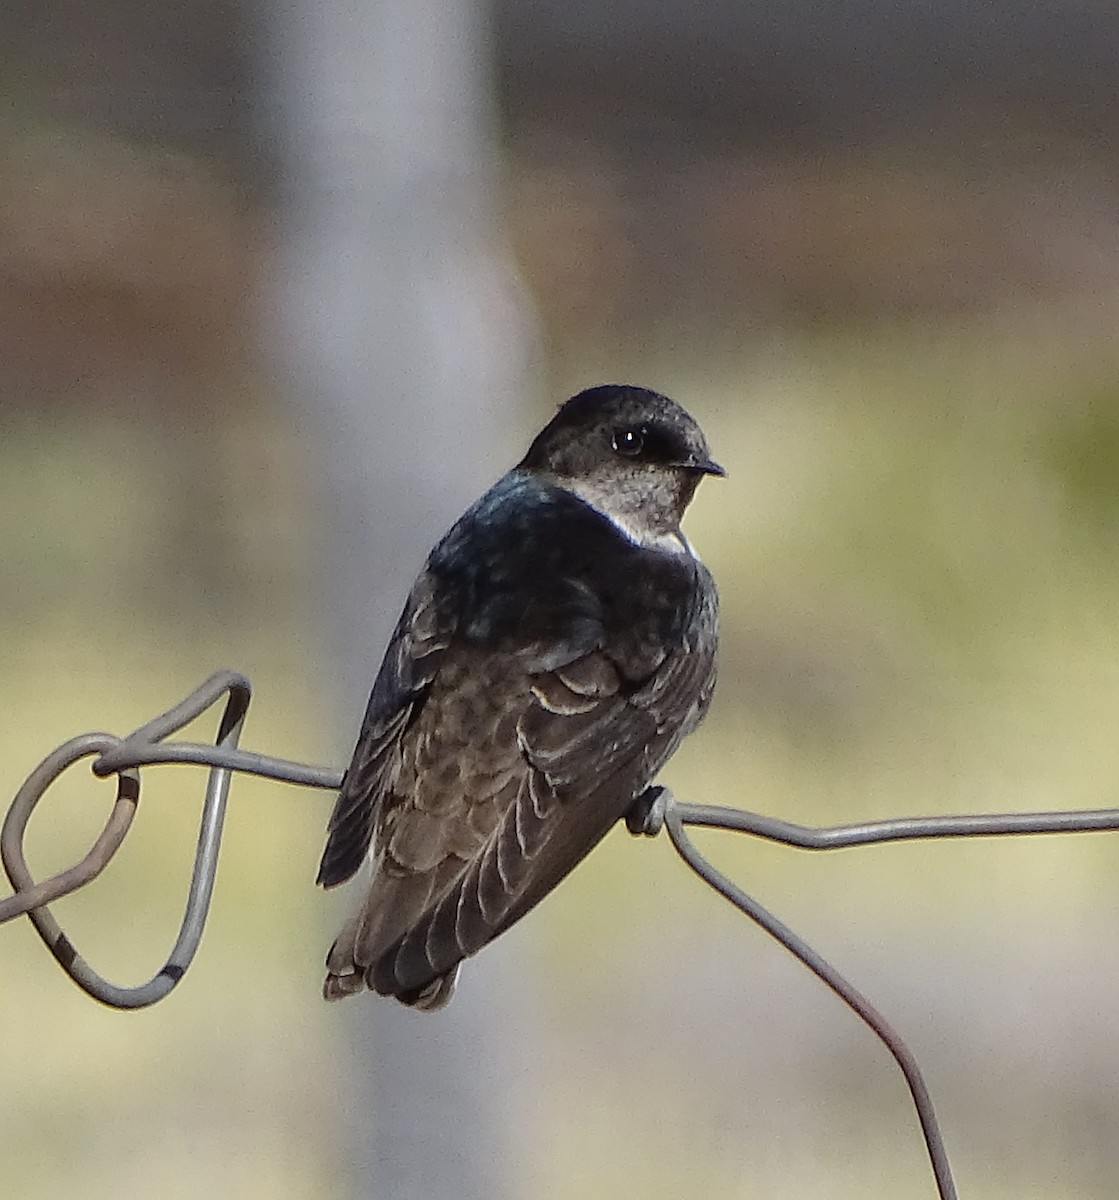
[655, 809]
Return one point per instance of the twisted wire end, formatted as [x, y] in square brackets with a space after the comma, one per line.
[646, 815]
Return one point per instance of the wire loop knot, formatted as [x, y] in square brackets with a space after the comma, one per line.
[121, 756]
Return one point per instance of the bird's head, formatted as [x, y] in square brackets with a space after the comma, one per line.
[631, 453]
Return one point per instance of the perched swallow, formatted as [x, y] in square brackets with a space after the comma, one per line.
[557, 646]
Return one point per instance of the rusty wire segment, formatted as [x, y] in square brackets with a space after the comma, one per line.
[147, 746]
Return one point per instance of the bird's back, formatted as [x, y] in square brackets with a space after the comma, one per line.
[569, 664]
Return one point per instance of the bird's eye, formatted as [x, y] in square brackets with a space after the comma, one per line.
[629, 442]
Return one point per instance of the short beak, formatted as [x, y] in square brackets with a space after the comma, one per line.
[707, 466]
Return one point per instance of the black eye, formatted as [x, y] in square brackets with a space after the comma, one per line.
[629, 442]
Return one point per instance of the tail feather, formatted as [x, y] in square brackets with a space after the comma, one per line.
[393, 904]
[343, 978]
[432, 996]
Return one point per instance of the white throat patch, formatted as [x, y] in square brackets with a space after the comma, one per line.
[672, 542]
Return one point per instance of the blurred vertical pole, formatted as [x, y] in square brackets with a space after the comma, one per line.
[392, 316]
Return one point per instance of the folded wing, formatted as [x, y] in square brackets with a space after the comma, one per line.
[588, 740]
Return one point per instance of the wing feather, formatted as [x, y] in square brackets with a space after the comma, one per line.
[410, 665]
[582, 768]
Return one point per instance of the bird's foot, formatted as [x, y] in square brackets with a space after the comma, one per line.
[646, 814]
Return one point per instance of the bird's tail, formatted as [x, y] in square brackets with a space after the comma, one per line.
[342, 975]
[434, 995]
[345, 978]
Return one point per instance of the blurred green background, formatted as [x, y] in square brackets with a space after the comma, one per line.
[882, 269]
